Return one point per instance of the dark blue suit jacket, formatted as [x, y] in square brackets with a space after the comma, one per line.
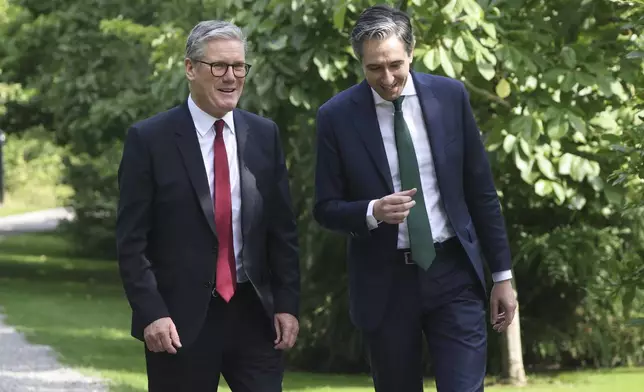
[352, 170]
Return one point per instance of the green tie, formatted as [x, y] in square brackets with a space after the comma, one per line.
[420, 232]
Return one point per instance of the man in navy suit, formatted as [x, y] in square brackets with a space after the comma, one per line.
[402, 170]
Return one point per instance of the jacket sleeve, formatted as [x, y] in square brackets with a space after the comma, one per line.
[283, 251]
[480, 195]
[331, 210]
[132, 226]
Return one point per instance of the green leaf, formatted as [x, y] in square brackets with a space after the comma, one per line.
[339, 16]
[585, 79]
[278, 44]
[577, 123]
[568, 82]
[263, 84]
[525, 147]
[529, 132]
[552, 75]
[520, 163]
[489, 29]
[578, 202]
[611, 138]
[604, 86]
[509, 142]
[546, 167]
[297, 96]
[457, 65]
[565, 163]
[431, 59]
[560, 193]
[543, 187]
[452, 9]
[472, 8]
[460, 50]
[486, 70]
[569, 56]
[614, 195]
[521, 125]
[446, 64]
[557, 128]
[605, 121]
[503, 88]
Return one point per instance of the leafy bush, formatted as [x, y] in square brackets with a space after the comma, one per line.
[33, 171]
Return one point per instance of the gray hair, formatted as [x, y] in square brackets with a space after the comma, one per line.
[210, 30]
[381, 22]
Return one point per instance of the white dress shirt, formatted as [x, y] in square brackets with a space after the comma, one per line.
[205, 126]
[438, 220]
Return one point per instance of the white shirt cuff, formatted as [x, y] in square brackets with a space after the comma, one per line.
[501, 276]
[372, 223]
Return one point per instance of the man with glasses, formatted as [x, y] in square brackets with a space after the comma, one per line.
[206, 235]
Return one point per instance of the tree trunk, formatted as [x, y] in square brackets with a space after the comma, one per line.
[512, 354]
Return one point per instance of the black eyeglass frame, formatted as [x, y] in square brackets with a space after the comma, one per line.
[220, 63]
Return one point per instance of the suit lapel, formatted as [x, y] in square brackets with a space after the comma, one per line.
[188, 144]
[366, 123]
[248, 188]
[432, 110]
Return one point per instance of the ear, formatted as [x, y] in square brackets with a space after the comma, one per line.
[190, 69]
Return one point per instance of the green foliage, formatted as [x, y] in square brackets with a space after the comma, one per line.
[33, 171]
[553, 87]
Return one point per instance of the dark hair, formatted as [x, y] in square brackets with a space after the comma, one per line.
[382, 22]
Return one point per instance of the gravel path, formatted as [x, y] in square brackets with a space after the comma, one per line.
[26, 367]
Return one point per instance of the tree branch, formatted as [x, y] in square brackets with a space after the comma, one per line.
[487, 94]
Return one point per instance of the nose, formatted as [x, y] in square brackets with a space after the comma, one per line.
[388, 78]
[229, 76]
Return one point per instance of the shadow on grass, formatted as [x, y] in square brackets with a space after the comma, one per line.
[50, 244]
[46, 257]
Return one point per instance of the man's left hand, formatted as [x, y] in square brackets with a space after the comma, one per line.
[287, 328]
[503, 303]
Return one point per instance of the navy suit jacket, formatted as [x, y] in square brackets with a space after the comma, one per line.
[166, 237]
[352, 170]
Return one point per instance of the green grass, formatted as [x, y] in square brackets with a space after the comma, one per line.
[23, 201]
[77, 307]
[10, 209]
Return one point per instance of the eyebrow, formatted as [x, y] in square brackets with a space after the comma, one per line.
[395, 62]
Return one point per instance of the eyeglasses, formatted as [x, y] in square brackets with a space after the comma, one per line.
[218, 69]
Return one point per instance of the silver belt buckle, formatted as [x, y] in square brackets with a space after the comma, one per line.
[408, 258]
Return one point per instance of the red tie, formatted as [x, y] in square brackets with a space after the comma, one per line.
[226, 270]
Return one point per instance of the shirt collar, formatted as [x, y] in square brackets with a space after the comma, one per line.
[409, 89]
[204, 121]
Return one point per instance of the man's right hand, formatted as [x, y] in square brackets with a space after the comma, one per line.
[161, 335]
[394, 208]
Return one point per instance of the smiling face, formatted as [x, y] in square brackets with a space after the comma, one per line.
[216, 95]
[386, 66]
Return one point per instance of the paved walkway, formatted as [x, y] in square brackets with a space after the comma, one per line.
[26, 367]
[38, 221]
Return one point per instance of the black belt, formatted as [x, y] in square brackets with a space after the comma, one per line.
[445, 246]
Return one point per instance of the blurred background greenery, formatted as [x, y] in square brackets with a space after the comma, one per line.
[556, 86]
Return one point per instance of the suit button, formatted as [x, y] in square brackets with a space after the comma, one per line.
[207, 285]
[214, 250]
